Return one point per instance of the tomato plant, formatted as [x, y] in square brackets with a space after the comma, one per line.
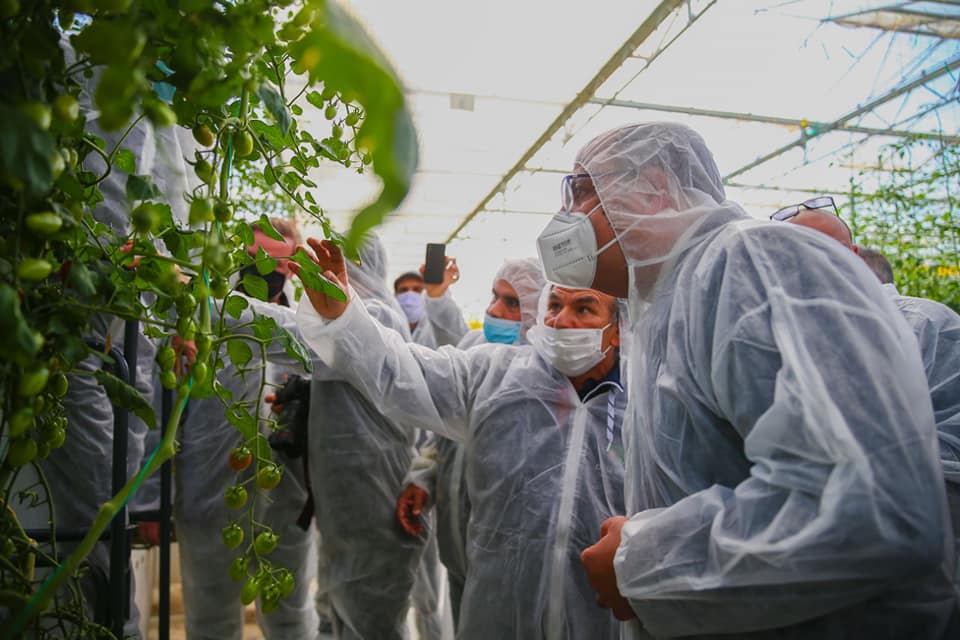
[86, 232]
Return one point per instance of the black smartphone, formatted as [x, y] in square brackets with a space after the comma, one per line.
[435, 263]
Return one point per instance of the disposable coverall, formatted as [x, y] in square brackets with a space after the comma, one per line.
[540, 472]
[358, 459]
[440, 472]
[937, 328]
[442, 323]
[212, 600]
[782, 462]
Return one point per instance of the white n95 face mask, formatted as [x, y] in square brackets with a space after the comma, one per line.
[568, 249]
[570, 351]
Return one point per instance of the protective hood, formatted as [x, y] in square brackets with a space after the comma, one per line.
[661, 191]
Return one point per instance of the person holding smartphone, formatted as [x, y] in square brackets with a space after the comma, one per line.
[435, 318]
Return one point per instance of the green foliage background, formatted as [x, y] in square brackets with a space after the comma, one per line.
[912, 217]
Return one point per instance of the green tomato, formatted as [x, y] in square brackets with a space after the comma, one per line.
[235, 497]
[328, 93]
[203, 135]
[199, 372]
[270, 599]
[239, 568]
[43, 450]
[186, 327]
[33, 381]
[219, 287]
[250, 590]
[56, 438]
[186, 304]
[352, 118]
[21, 422]
[39, 404]
[269, 476]
[203, 342]
[287, 583]
[242, 143]
[57, 164]
[166, 358]
[66, 108]
[168, 379]
[265, 543]
[222, 211]
[201, 211]
[38, 112]
[337, 132]
[204, 171]
[330, 112]
[21, 451]
[33, 269]
[44, 223]
[160, 114]
[232, 535]
[144, 218]
[367, 158]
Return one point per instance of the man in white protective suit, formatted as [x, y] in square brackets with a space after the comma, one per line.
[782, 471]
[540, 427]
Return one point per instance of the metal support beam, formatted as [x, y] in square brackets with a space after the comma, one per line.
[660, 13]
[924, 78]
[786, 122]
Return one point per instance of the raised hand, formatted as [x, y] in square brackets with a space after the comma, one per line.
[451, 273]
[329, 258]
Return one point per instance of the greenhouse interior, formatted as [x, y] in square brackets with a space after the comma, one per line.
[382, 320]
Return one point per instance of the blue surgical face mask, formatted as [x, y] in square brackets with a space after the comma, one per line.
[413, 306]
[501, 331]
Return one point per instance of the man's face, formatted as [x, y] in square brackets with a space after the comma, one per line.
[583, 309]
[505, 303]
[611, 273]
[409, 284]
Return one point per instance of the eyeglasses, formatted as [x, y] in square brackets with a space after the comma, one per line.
[821, 202]
[574, 188]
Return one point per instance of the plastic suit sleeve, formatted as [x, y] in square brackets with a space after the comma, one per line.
[416, 386]
[446, 320]
[840, 501]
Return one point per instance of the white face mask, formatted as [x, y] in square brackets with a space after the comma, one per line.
[568, 249]
[570, 351]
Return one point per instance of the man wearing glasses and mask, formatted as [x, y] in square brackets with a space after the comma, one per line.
[782, 474]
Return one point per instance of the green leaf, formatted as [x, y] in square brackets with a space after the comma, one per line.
[239, 352]
[313, 278]
[263, 327]
[266, 227]
[235, 305]
[244, 422]
[275, 105]
[271, 133]
[255, 286]
[347, 60]
[294, 349]
[82, 279]
[265, 264]
[26, 151]
[125, 161]
[141, 188]
[260, 447]
[126, 397]
[246, 234]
